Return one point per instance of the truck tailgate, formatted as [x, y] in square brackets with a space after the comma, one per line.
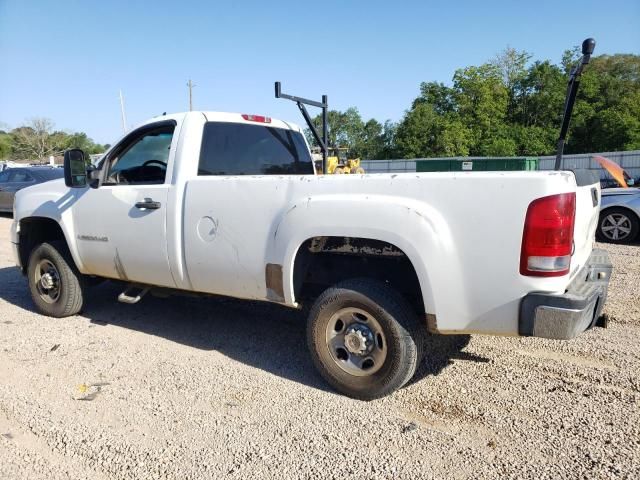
[586, 220]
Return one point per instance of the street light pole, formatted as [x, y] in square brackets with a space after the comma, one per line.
[124, 118]
[190, 84]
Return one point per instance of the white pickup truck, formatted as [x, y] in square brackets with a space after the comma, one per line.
[229, 204]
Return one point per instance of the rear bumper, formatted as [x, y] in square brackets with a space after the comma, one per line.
[568, 315]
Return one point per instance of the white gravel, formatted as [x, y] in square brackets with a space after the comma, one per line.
[185, 388]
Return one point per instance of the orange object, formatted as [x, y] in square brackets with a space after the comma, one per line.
[615, 170]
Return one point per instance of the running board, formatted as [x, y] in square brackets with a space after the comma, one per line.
[132, 294]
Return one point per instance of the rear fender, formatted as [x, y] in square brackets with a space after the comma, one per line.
[414, 227]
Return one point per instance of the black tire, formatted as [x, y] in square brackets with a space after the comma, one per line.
[633, 222]
[71, 285]
[403, 333]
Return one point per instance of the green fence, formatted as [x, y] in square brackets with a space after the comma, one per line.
[486, 164]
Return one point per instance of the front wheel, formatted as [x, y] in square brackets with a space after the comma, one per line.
[364, 338]
[56, 285]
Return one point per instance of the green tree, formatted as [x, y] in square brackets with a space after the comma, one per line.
[607, 112]
[389, 148]
[6, 145]
[512, 66]
[441, 97]
[371, 140]
[507, 107]
[345, 128]
[37, 140]
[482, 100]
[368, 139]
[425, 133]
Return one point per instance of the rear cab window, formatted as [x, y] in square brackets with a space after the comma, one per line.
[241, 149]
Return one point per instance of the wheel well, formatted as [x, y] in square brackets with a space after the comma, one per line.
[33, 232]
[324, 261]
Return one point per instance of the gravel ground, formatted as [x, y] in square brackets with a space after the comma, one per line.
[184, 388]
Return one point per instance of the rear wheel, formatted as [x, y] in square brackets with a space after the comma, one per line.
[56, 285]
[618, 225]
[365, 339]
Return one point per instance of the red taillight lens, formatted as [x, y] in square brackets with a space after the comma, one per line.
[547, 240]
[256, 118]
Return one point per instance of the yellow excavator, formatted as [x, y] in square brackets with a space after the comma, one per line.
[337, 161]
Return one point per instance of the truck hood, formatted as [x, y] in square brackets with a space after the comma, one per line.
[44, 199]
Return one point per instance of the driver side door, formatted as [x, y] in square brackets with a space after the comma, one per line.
[121, 225]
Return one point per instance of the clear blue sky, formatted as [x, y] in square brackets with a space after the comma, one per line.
[67, 59]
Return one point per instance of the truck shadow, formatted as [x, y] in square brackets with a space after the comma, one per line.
[265, 336]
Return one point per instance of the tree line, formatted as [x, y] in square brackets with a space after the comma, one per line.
[507, 106]
[37, 140]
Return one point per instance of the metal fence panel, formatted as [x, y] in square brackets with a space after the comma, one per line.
[630, 161]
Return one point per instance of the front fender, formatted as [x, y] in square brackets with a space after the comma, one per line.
[413, 226]
[51, 200]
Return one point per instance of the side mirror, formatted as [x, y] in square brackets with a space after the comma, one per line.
[75, 168]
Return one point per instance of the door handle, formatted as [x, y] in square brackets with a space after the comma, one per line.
[148, 204]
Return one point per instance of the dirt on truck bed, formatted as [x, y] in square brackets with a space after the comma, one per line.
[184, 388]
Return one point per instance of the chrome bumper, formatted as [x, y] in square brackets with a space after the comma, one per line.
[578, 309]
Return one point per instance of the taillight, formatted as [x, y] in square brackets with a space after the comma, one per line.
[547, 240]
[256, 118]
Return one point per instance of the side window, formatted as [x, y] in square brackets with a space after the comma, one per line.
[20, 176]
[143, 160]
[4, 176]
[241, 149]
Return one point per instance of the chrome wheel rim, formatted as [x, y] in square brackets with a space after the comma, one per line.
[47, 281]
[356, 342]
[616, 226]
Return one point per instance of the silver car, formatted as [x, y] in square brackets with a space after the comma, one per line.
[14, 179]
[619, 215]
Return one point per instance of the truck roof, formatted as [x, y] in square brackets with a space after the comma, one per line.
[211, 116]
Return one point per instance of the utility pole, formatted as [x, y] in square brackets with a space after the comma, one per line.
[190, 85]
[124, 117]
